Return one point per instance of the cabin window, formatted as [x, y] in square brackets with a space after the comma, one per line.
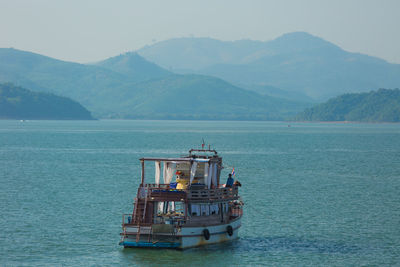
[194, 210]
[205, 209]
[165, 207]
[199, 175]
[214, 209]
[180, 207]
[159, 208]
[225, 207]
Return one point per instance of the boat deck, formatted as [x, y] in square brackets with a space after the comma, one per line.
[163, 192]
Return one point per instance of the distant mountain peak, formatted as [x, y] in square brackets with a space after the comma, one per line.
[189, 53]
[302, 41]
[133, 64]
[128, 57]
[298, 35]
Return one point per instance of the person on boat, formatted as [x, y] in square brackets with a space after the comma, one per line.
[237, 183]
[229, 182]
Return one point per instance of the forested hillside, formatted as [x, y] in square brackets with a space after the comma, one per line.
[19, 103]
[376, 106]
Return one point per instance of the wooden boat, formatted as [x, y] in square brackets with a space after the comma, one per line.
[191, 208]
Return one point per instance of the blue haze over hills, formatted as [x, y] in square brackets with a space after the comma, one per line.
[298, 62]
[202, 78]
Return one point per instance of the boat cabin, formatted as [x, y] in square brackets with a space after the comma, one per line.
[186, 189]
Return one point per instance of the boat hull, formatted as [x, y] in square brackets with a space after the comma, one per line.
[184, 237]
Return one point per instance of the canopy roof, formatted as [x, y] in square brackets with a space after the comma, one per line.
[177, 159]
[192, 157]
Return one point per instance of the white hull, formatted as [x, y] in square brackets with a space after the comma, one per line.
[184, 237]
[193, 236]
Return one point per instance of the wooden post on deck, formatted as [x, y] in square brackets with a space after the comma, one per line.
[142, 161]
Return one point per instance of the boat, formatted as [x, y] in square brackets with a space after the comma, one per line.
[190, 208]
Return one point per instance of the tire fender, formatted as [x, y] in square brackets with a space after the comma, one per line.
[206, 234]
[229, 230]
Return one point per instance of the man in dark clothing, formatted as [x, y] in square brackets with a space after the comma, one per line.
[229, 182]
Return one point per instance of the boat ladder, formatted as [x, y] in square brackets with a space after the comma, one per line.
[138, 234]
[143, 218]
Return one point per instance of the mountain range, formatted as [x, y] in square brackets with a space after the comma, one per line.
[128, 86]
[202, 78]
[86, 83]
[299, 63]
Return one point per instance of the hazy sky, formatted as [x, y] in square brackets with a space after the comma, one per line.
[91, 30]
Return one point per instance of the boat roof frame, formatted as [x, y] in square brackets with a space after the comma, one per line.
[167, 159]
[190, 157]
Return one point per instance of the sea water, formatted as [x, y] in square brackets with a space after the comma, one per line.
[315, 194]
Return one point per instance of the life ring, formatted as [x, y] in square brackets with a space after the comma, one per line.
[229, 230]
[206, 234]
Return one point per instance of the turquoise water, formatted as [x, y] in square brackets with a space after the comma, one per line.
[315, 194]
